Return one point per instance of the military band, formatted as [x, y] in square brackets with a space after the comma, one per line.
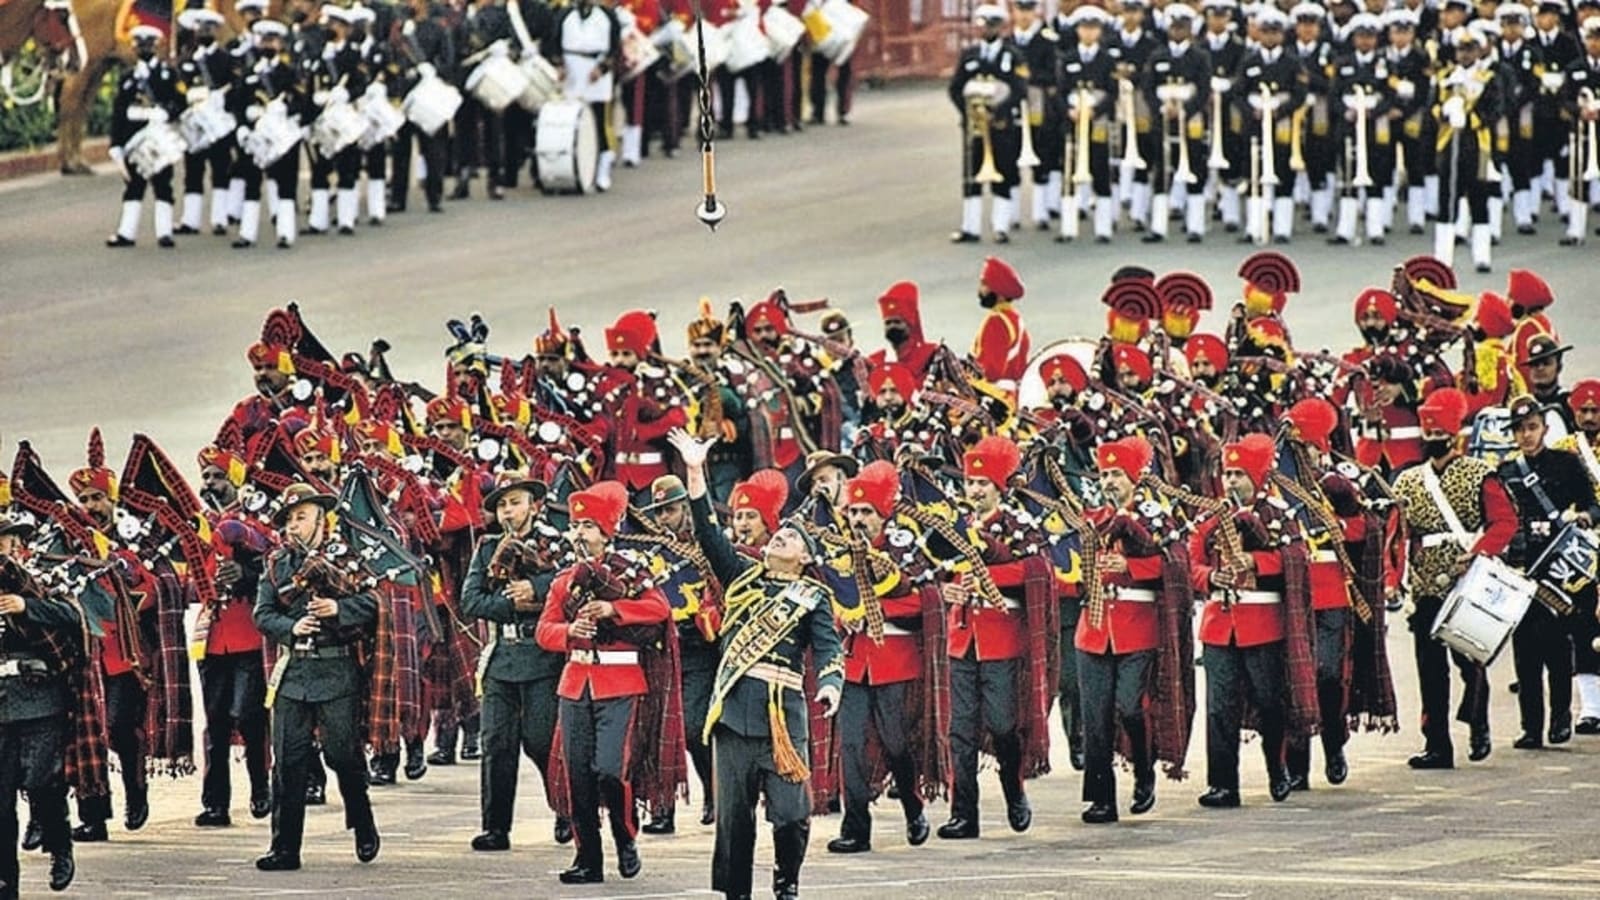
[780, 569]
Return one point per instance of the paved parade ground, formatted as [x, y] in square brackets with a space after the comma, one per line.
[151, 340]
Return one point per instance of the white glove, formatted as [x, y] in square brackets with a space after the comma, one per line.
[426, 70]
[1553, 81]
[500, 49]
[1221, 85]
[305, 132]
[142, 70]
[242, 134]
[1405, 90]
[320, 98]
[198, 95]
[1453, 107]
[122, 169]
[377, 91]
[828, 696]
[1457, 118]
[252, 113]
[338, 95]
[157, 115]
[693, 452]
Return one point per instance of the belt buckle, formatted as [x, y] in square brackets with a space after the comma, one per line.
[304, 645]
[10, 668]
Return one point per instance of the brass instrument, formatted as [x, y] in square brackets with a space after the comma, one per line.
[1077, 150]
[1591, 139]
[1027, 158]
[1297, 156]
[1216, 162]
[1130, 126]
[980, 96]
[1364, 100]
[1269, 168]
[1173, 95]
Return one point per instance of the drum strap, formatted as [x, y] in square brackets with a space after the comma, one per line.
[1586, 453]
[520, 26]
[1530, 480]
[1430, 481]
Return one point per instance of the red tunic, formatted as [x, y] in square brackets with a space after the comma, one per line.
[608, 679]
[1245, 624]
[1001, 348]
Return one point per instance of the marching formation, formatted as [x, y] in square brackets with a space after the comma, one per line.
[477, 89]
[784, 570]
[1258, 114]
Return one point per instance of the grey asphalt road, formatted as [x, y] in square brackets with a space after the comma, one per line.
[150, 340]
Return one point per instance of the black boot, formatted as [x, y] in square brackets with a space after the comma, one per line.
[383, 769]
[138, 811]
[469, 742]
[62, 868]
[789, 851]
[1144, 769]
[32, 836]
[416, 761]
[1299, 765]
[90, 833]
[661, 823]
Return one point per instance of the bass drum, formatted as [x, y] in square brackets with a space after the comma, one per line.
[566, 148]
[1030, 390]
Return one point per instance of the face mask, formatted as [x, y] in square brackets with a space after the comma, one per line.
[988, 301]
[1437, 449]
[1061, 403]
[897, 334]
[1374, 335]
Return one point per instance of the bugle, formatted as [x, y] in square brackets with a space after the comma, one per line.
[1217, 161]
[1130, 126]
[1027, 158]
[1363, 98]
[1269, 168]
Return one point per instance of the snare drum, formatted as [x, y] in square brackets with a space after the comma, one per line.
[383, 120]
[784, 31]
[544, 82]
[431, 104]
[497, 82]
[156, 148]
[1483, 609]
[272, 137]
[339, 126]
[845, 26]
[638, 54]
[673, 42]
[566, 148]
[716, 48]
[747, 46]
[203, 124]
[1567, 567]
[1491, 439]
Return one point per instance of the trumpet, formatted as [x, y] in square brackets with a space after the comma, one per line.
[1027, 158]
[1076, 150]
[1591, 136]
[1297, 156]
[1172, 96]
[1216, 162]
[1269, 168]
[1363, 100]
[980, 95]
[1130, 124]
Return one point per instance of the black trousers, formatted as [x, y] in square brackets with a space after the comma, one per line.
[1541, 646]
[518, 130]
[864, 708]
[1006, 144]
[1584, 629]
[595, 736]
[1113, 686]
[346, 164]
[218, 158]
[1333, 640]
[699, 672]
[234, 690]
[1070, 702]
[843, 82]
[435, 152]
[294, 722]
[31, 757]
[133, 188]
[518, 717]
[375, 161]
[125, 711]
[1461, 168]
[745, 775]
[1433, 676]
[480, 139]
[983, 698]
[1233, 674]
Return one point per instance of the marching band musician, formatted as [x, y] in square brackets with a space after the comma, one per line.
[1468, 104]
[1362, 76]
[1088, 89]
[1318, 144]
[1135, 42]
[758, 719]
[792, 401]
[422, 49]
[1523, 67]
[1001, 347]
[207, 70]
[1583, 74]
[336, 75]
[517, 678]
[1177, 87]
[484, 31]
[272, 85]
[587, 38]
[316, 683]
[654, 404]
[1227, 51]
[376, 61]
[843, 84]
[1551, 489]
[1411, 80]
[730, 458]
[990, 81]
[1480, 520]
[147, 99]
[1270, 77]
[233, 684]
[603, 678]
[1119, 642]
[989, 644]
[1584, 401]
[1243, 558]
[1551, 129]
[885, 681]
[1040, 47]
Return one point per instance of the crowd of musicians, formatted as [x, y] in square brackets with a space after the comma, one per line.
[1259, 115]
[472, 91]
[784, 569]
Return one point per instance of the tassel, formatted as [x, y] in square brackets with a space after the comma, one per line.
[785, 759]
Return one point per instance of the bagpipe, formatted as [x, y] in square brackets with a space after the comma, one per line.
[610, 577]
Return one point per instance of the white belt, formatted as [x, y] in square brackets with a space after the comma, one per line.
[1011, 604]
[1429, 541]
[1135, 595]
[604, 657]
[10, 668]
[892, 630]
[1405, 433]
[773, 674]
[1324, 556]
[785, 433]
[514, 632]
[1253, 597]
[639, 459]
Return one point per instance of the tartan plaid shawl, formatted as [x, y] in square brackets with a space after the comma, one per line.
[824, 780]
[169, 711]
[1042, 673]
[934, 767]
[383, 673]
[77, 656]
[659, 759]
[1370, 704]
[1301, 711]
[1172, 699]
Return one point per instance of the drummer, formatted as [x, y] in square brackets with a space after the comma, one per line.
[147, 99]
[1442, 546]
[1552, 492]
[589, 37]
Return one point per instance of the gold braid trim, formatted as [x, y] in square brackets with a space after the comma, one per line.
[786, 760]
